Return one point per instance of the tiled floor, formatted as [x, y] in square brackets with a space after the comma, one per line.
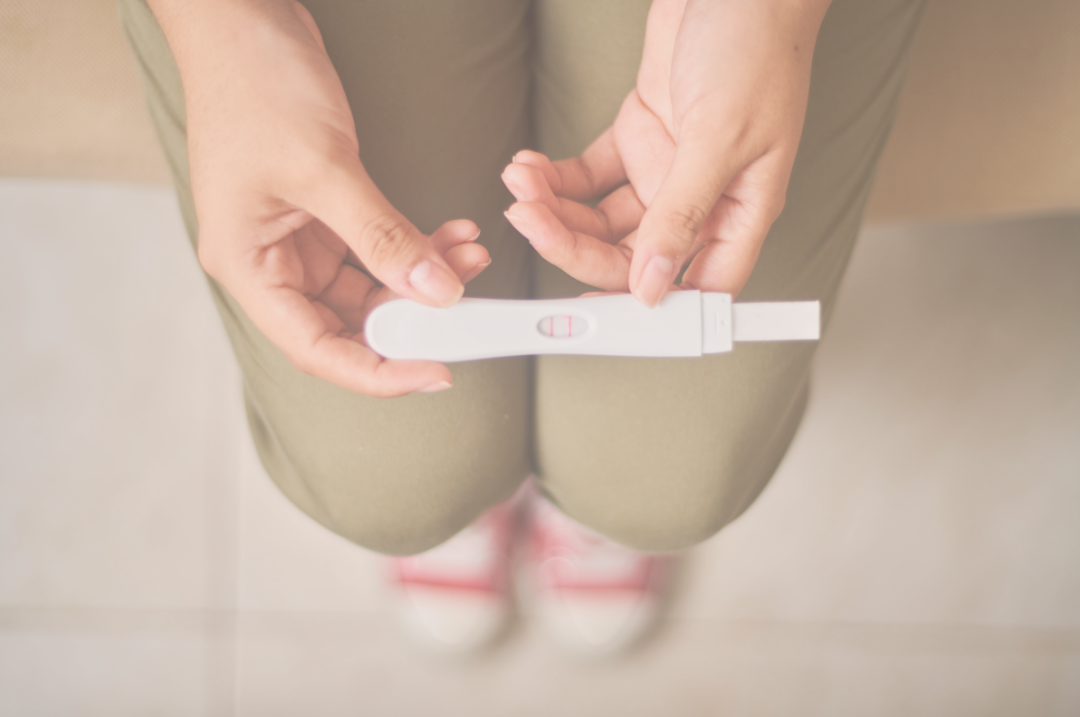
[918, 552]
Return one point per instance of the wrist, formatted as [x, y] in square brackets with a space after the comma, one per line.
[195, 28]
[803, 16]
[182, 14]
[791, 21]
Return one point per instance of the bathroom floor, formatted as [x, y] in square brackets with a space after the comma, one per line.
[918, 553]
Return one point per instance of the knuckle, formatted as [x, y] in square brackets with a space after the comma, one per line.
[685, 222]
[384, 240]
[591, 181]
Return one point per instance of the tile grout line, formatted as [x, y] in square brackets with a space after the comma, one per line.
[34, 617]
[224, 462]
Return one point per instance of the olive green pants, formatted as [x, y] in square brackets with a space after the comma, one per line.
[658, 454]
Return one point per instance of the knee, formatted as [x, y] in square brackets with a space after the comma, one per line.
[674, 506]
[671, 494]
[399, 512]
[402, 527]
[398, 503]
[661, 518]
[397, 520]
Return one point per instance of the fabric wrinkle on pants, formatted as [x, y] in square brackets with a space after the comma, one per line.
[658, 454]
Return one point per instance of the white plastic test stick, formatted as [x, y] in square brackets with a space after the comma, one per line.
[685, 323]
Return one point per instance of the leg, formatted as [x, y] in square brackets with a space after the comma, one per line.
[661, 454]
[440, 96]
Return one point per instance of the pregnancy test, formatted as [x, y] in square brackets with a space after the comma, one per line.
[685, 323]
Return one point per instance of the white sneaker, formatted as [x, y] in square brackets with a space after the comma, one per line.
[595, 597]
[455, 598]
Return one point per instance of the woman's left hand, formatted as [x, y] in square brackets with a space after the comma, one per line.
[695, 167]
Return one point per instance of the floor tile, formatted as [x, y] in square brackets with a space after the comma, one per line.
[354, 664]
[109, 663]
[108, 431]
[937, 475]
[287, 561]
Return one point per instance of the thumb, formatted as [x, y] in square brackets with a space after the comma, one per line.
[700, 171]
[393, 250]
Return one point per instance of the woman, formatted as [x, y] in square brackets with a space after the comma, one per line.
[319, 151]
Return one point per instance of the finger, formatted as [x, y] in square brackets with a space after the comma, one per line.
[622, 211]
[583, 257]
[528, 184]
[349, 298]
[703, 166]
[614, 217]
[589, 294]
[311, 340]
[654, 148]
[309, 23]
[722, 266]
[596, 172]
[467, 260]
[528, 157]
[351, 295]
[323, 261]
[387, 244]
[738, 225]
[452, 233]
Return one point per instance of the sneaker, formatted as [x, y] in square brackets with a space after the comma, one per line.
[594, 596]
[455, 598]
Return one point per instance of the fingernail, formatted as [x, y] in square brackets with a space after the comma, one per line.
[513, 185]
[436, 387]
[436, 283]
[475, 236]
[475, 272]
[656, 278]
[520, 224]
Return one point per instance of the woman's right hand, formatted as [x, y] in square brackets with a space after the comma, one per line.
[289, 220]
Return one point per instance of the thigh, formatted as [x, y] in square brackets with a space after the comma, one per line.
[661, 454]
[440, 96]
